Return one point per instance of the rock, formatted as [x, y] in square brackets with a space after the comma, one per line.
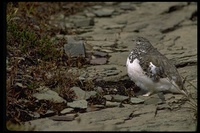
[74, 48]
[82, 104]
[69, 25]
[98, 61]
[124, 22]
[47, 94]
[110, 3]
[68, 117]
[67, 110]
[111, 72]
[101, 43]
[97, 7]
[117, 26]
[118, 98]
[84, 22]
[108, 97]
[88, 94]
[106, 72]
[118, 58]
[98, 90]
[104, 12]
[100, 54]
[126, 6]
[89, 14]
[80, 94]
[112, 104]
[136, 100]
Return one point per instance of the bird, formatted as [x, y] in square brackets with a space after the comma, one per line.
[151, 71]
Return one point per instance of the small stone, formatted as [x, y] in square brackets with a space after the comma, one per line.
[119, 98]
[84, 22]
[78, 104]
[97, 7]
[88, 94]
[104, 12]
[111, 72]
[80, 94]
[98, 61]
[122, 22]
[67, 110]
[112, 104]
[118, 26]
[108, 97]
[100, 54]
[89, 14]
[69, 25]
[136, 100]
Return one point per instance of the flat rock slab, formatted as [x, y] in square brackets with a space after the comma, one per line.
[104, 12]
[74, 48]
[47, 94]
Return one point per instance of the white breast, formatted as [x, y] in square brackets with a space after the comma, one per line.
[137, 75]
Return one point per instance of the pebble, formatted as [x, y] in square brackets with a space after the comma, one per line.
[104, 12]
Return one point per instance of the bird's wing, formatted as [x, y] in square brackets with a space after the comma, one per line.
[156, 66]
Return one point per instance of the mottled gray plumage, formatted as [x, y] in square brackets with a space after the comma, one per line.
[155, 66]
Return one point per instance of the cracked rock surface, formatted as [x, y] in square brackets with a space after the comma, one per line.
[108, 30]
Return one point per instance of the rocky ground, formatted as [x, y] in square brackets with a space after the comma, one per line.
[105, 39]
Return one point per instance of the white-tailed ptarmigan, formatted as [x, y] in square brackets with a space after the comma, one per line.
[151, 71]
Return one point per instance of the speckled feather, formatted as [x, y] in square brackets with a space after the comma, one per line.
[161, 66]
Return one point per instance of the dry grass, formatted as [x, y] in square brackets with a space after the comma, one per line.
[34, 60]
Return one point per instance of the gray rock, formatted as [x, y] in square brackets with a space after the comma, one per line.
[119, 98]
[122, 22]
[74, 48]
[69, 25]
[99, 53]
[111, 72]
[101, 43]
[82, 104]
[112, 104]
[108, 97]
[67, 110]
[97, 7]
[117, 26]
[98, 61]
[89, 14]
[105, 12]
[89, 94]
[80, 94]
[136, 100]
[99, 71]
[84, 22]
[118, 58]
[126, 6]
[47, 94]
